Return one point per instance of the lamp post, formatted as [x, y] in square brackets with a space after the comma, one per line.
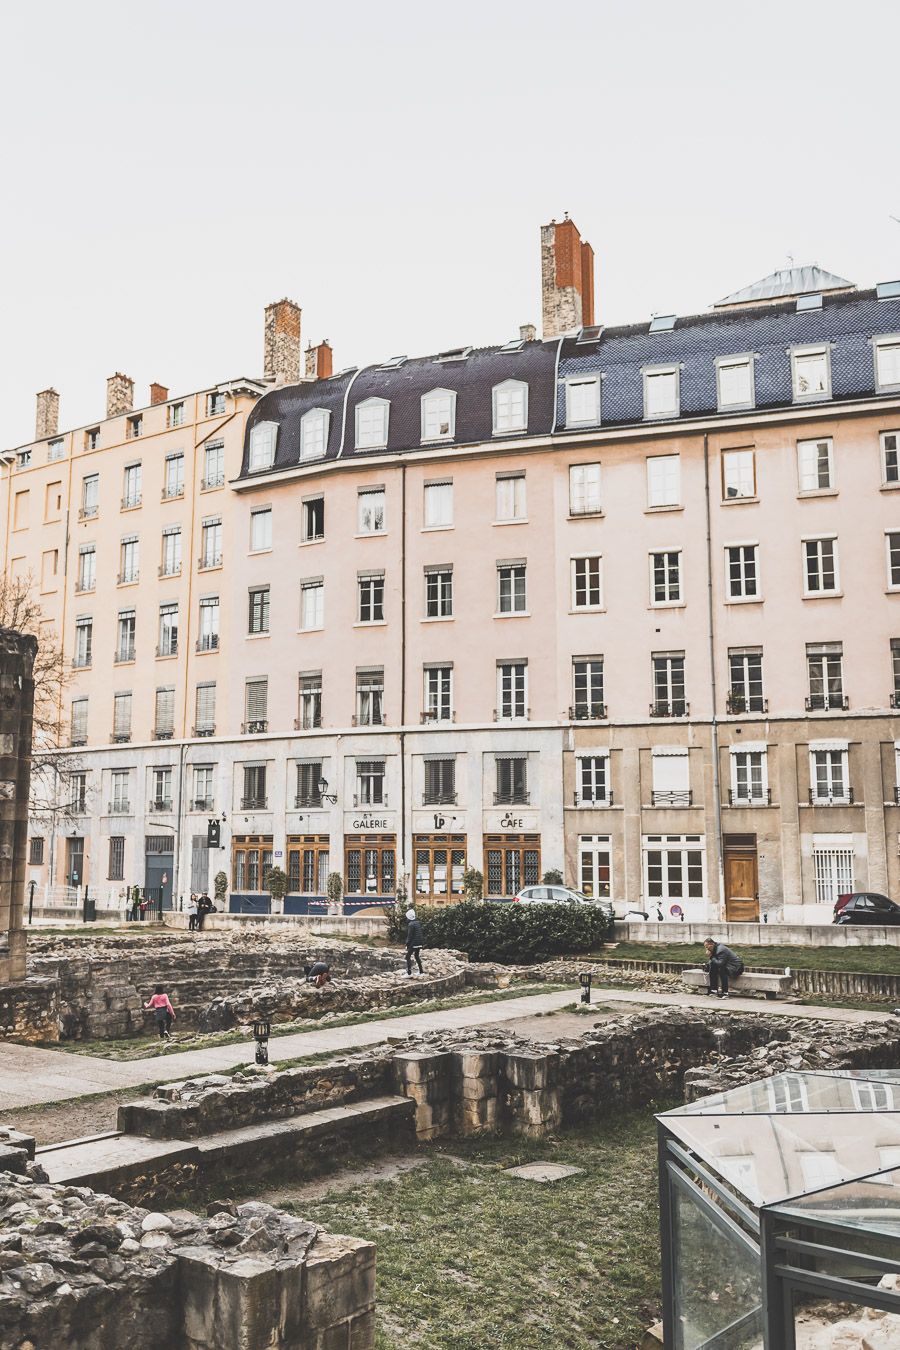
[261, 1031]
[584, 979]
[324, 794]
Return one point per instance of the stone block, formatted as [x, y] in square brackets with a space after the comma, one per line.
[339, 1285]
[531, 1071]
[250, 1303]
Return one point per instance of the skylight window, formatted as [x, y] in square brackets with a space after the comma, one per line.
[515, 345]
[589, 334]
[393, 363]
[454, 354]
[662, 323]
[808, 302]
[888, 290]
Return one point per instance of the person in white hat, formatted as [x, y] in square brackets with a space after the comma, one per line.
[414, 942]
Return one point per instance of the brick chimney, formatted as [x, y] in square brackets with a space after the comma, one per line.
[158, 394]
[527, 332]
[319, 363]
[567, 279]
[119, 394]
[281, 342]
[46, 421]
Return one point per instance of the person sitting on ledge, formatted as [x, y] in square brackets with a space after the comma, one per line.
[721, 964]
[318, 974]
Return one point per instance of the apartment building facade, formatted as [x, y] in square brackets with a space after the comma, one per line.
[617, 601]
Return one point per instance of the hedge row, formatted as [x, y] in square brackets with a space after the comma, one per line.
[514, 934]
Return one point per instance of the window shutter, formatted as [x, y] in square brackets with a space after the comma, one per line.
[257, 700]
[122, 719]
[165, 709]
[206, 706]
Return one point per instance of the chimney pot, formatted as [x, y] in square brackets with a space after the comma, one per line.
[527, 332]
[119, 394]
[158, 394]
[281, 342]
[567, 279]
[46, 422]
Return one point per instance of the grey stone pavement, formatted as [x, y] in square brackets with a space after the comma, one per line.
[30, 1075]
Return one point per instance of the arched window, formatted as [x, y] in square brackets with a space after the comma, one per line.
[510, 407]
[314, 433]
[439, 415]
[262, 445]
[372, 424]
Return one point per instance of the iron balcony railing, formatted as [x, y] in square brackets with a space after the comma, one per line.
[83, 587]
[435, 715]
[307, 799]
[254, 803]
[675, 707]
[120, 737]
[203, 803]
[161, 804]
[88, 512]
[169, 494]
[817, 798]
[746, 797]
[168, 648]
[124, 654]
[509, 715]
[308, 723]
[361, 803]
[255, 728]
[438, 798]
[827, 703]
[587, 712]
[208, 560]
[673, 797]
[119, 808]
[163, 733]
[129, 578]
[208, 642]
[204, 731]
[375, 720]
[600, 799]
[744, 703]
[167, 570]
[515, 797]
[129, 503]
[217, 480]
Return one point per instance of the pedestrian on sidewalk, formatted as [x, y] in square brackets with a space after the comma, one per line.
[192, 913]
[163, 1012]
[415, 940]
[318, 974]
[722, 964]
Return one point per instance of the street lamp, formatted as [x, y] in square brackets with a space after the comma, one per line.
[324, 794]
[261, 1031]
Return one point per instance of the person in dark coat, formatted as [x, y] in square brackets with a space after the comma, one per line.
[204, 906]
[415, 940]
[722, 964]
[318, 974]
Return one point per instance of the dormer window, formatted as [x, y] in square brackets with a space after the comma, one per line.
[583, 402]
[811, 371]
[314, 433]
[439, 415]
[510, 407]
[887, 362]
[661, 392]
[262, 446]
[734, 379]
[372, 424]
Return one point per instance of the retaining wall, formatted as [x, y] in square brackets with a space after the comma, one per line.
[830, 983]
[761, 934]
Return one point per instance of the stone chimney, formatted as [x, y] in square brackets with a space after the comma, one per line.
[158, 394]
[527, 332]
[567, 279]
[281, 343]
[46, 421]
[119, 394]
[319, 361]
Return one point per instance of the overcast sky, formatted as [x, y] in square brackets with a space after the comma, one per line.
[171, 167]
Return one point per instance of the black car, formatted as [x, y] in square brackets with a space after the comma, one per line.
[866, 907]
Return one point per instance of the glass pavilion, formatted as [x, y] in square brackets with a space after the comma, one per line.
[780, 1215]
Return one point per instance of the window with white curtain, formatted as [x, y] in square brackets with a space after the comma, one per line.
[263, 438]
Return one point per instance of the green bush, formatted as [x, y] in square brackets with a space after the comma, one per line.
[507, 932]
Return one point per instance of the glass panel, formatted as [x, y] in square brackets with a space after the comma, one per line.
[717, 1283]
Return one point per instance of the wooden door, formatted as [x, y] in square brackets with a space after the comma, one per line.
[741, 883]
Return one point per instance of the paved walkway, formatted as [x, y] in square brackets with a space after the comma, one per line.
[30, 1076]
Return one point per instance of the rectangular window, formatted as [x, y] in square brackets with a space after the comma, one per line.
[263, 438]
[56, 449]
[587, 689]
[251, 860]
[595, 866]
[116, 857]
[735, 382]
[208, 640]
[587, 583]
[674, 868]
[668, 685]
[211, 542]
[312, 605]
[313, 519]
[887, 363]
[79, 724]
[176, 414]
[512, 780]
[440, 782]
[663, 480]
[129, 561]
[84, 642]
[309, 774]
[511, 598]
[825, 669]
[584, 490]
[583, 402]
[438, 415]
[36, 851]
[370, 863]
[510, 496]
[258, 610]
[131, 487]
[372, 424]
[120, 803]
[438, 505]
[738, 474]
[370, 511]
[440, 862]
[134, 426]
[314, 433]
[815, 465]
[371, 597]
[820, 566]
[87, 568]
[168, 630]
[214, 464]
[833, 872]
[745, 681]
[511, 862]
[370, 783]
[510, 407]
[171, 552]
[308, 864]
[438, 694]
[890, 457]
[661, 392]
[202, 799]
[592, 780]
[665, 578]
[215, 404]
[122, 717]
[90, 496]
[438, 592]
[254, 797]
[741, 572]
[256, 706]
[205, 709]
[892, 540]
[749, 777]
[671, 777]
[164, 723]
[78, 792]
[829, 777]
[811, 373]
[92, 438]
[310, 701]
[125, 635]
[895, 672]
[512, 690]
[261, 529]
[174, 485]
[370, 697]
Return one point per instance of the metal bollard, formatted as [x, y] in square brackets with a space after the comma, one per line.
[584, 979]
[261, 1036]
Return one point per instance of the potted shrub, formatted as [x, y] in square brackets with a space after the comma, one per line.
[220, 889]
[334, 889]
[276, 884]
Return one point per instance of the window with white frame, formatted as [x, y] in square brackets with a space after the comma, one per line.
[370, 510]
[84, 641]
[745, 680]
[309, 700]
[260, 529]
[734, 379]
[742, 572]
[661, 392]
[887, 363]
[820, 566]
[811, 372]
[370, 782]
[787, 1094]
[829, 773]
[167, 644]
[258, 609]
[439, 592]
[372, 424]
[512, 690]
[120, 796]
[875, 1096]
[587, 689]
[665, 577]
[668, 685]
[583, 401]
[211, 542]
[56, 449]
[208, 639]
[592, 779]
[174, 484]
[314, 433]
[90, 496]
[87, 567]
[131, 486]
[122, 716]
[176, 414]
[256, 705]
[438, 504]
[171, 551]
[890, 457]
[439, 415]
[674, 868]
[203, 787]
[749, 775]
[79, 724]
[214, 464]
[833, 867]
[815, 466]
[511, 596]
[312, 519]
[895, 675]
[595, 866]
[370, 697]
[371, 597]
[584, 490]
[825, 669]
[510, 404]
[892, 543]
[129, 560]
[164, 716]
[262, 446]
[312, 604]
[125, 635]
[671, 776]
[438, 693]
[587, 582]
[510, 496]
[664, 480]
[738, 474]
[205, 708]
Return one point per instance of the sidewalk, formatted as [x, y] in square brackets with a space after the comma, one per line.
[30, 1076]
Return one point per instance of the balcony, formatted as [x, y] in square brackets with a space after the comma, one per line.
[119, 808]
[254, 803]
[76, 741]
[79, 806]
[209, 560]
[88, 512]
[161, 804]
[435, 715]
[120, 737]
[169, 569]
[307, 799]
[364, 804]
[675, 707]
[375, 720]
[587, 712]
[163, 733]
[208, 642]
[308, 723]
[124, 655]
[216, 481]
[895, 699]
[671, 797]
[831, 798]
[747, 798]
[736, 704]
[515, 797]
[202, 804]
[827, 703]
[167, 649]
[601, 799]
[439, 798]
[171, 494]
[131, 503]
[204, 731]
[254, 728]
[128, 578]
[508, 715]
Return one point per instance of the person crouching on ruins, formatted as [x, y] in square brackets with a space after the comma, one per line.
[414, 942]
[163, 1012]
[721, 964]
[318, 974]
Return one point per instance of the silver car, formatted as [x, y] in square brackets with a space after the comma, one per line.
[559, 895]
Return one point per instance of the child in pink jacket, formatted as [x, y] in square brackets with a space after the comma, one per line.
[163, 1012]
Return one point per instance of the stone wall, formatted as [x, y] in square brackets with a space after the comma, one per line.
[30, 1011]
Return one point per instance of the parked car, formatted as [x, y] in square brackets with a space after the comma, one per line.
[865, 907]
[558, 895]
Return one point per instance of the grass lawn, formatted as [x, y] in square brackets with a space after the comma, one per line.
[468, 1257]
[873, 960]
